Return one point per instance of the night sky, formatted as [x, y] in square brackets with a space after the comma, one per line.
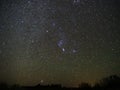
[59, 41]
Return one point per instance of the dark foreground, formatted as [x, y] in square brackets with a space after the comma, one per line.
[58, 88]
[108, 83]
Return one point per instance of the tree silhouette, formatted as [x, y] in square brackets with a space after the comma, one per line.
[85, 86]
[111, 82]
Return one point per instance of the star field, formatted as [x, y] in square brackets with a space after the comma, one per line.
[59, 41]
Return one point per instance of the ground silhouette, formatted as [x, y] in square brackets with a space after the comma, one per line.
[108, 83]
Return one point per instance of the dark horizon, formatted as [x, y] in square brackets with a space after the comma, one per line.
[109, 80]
[108, 83]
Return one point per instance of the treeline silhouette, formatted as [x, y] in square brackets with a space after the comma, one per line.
[108, 83]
